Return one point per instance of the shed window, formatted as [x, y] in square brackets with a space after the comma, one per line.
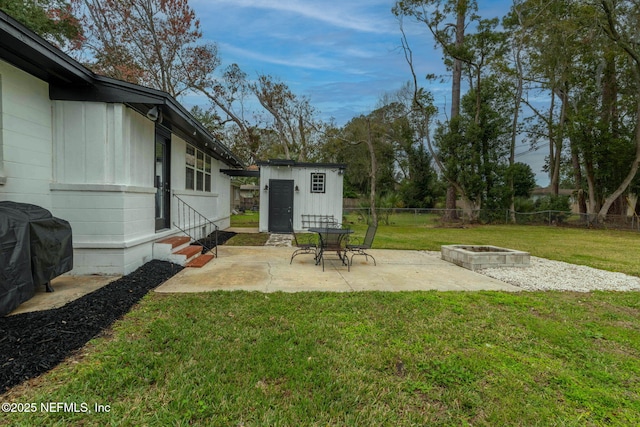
[318, 182]
[197, 170]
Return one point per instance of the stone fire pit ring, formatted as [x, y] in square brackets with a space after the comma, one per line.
[475, 257]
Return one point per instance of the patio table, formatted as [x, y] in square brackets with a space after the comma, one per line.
[331, 239]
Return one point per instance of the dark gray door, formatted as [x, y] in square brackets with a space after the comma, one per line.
[280, 205]
[162, 181]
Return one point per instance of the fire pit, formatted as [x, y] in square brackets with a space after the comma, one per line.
[476, 257]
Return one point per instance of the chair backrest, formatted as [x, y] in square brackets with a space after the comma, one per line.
[330, 224]
[295, 238]
[331, 241]
[319, 221]
[368, 238]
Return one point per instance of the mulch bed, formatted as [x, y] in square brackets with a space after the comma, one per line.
[210, 241]
[33, 343]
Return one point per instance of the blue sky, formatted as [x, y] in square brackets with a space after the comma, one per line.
[342, 54]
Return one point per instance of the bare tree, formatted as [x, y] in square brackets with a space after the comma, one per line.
[620, 24]
[293, 118]
[155, 43]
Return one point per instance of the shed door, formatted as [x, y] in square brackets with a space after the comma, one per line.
[280, 205]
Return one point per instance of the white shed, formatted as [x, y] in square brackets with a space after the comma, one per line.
[294, 192]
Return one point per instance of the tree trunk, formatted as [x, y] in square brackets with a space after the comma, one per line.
[552, 146]
[577, 178]
[451, 212]
[593, 205]
[558, 140]
[602, 215]
[514, 124]
[372, 176]
[457, 66]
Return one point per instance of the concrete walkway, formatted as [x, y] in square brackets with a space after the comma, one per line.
[267, 269]
[66, 288]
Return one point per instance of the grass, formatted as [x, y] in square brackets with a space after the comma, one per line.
[388, 359]
[248, 239]
[610, 250]
[246, 219]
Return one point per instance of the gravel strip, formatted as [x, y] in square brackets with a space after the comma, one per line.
[547, 275]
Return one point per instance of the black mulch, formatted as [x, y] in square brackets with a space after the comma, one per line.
[33, 343]
[209, 242]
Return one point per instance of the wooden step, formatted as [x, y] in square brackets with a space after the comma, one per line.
[200, 261]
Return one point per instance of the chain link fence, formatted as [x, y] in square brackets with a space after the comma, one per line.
[450, 217]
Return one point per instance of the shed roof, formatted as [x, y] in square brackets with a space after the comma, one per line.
[293, 163]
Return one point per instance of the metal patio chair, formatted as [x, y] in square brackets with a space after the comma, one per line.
[361, 248]
[303, 247]
[332, 239]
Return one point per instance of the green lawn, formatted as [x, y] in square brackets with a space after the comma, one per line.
[248, 239]
[246, 219]
[361, 359]
[605, 249]
[365, 359]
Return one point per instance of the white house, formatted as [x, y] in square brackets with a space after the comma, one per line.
[299, 193]
[113, 158]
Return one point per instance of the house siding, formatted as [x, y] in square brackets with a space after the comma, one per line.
[103, 168]
[210, 204]
[100, 143]
[92, 164]
[26, 137]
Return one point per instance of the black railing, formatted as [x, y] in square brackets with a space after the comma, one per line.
[198, 227]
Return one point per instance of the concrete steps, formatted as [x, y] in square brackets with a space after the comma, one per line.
[179, 250]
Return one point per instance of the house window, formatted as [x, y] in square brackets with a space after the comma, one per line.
[197, 170]
[318, 182]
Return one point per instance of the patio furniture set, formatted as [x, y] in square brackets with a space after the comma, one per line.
[332, 239]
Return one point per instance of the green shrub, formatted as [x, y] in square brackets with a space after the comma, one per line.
[559, 207]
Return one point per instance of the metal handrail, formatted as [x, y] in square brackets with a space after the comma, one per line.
[197, 226]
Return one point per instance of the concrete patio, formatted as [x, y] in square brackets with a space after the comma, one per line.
[267, 269]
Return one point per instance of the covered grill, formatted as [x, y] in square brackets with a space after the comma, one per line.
[35, 248]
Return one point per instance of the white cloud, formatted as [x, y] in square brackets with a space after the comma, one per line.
[352, 15]
[309, 61]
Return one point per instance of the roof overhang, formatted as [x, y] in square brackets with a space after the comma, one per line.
[29, 52]
[142, 99]
[241, 172]
[71, 81]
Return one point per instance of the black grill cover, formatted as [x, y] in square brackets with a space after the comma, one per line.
[35, 247]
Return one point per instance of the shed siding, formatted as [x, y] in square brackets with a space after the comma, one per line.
[304, 201]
